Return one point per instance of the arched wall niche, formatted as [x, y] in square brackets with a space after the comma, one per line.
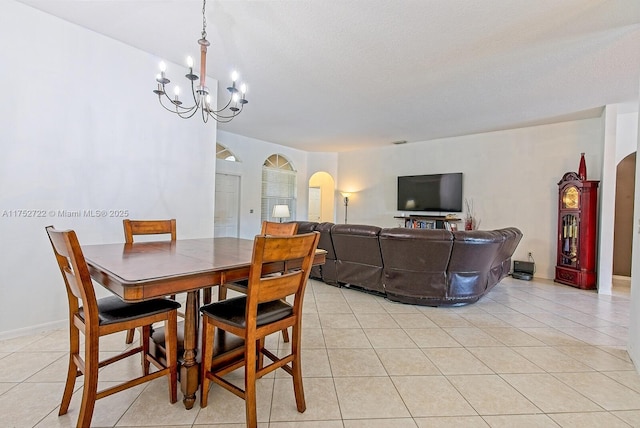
[323, 185]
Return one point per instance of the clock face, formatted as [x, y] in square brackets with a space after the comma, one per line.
[570, 197]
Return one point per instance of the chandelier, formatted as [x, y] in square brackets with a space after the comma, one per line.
[200, 93]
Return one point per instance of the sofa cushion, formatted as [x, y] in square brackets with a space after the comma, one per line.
[326, 272]
[358, 258]
[415, 263]
[502, 264]
[471, 257]
[305, 226]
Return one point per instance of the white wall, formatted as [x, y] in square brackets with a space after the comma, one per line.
[607, 201]
[252, 153]
[620, 123]
[633, 345]
[626, 132]
[80, 129]
[511, 176]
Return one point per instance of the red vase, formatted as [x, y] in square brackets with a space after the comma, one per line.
[582, 169]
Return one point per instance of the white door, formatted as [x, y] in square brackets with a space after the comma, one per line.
[227, 206]
[315, 197]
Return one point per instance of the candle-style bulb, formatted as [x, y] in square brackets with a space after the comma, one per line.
[234, 76]
[189, 62]
[163, 66]
[176, 91]
[243, 88]
[235, 97]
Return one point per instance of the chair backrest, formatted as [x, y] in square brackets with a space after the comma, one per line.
[279, 229]
[280, 249]
[148, 227]
[75, 273]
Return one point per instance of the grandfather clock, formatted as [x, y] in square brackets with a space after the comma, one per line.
[577, 221]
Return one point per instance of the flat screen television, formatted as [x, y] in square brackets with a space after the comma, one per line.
[433, 192]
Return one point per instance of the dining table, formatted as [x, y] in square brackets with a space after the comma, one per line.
[146, 270]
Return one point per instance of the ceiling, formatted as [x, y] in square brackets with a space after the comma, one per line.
[338, 75]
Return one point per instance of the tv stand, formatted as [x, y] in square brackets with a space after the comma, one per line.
[429, 222]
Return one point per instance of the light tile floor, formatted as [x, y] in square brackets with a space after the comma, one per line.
[529, 354]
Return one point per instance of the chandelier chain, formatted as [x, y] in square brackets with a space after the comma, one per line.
[204, 20]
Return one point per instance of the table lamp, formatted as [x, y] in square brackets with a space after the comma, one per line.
[280, 212]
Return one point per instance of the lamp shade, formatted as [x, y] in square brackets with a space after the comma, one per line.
[280, 211]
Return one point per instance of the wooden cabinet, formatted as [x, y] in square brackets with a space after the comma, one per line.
[428, 222]
[577, 224]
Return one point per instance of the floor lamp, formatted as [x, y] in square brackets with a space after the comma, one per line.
[280, 212]
[345, 195]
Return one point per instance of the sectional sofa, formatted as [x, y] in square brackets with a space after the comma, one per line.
[416, 266]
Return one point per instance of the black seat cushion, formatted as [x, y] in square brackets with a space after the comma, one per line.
[113, 310]
[223, 342]
[232, 311]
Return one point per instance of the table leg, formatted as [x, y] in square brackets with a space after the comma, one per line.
[190, 369]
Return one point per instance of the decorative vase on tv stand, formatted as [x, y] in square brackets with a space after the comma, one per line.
[469, 220]
[582, 169]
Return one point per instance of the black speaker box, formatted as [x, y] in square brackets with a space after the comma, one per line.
[524, 267]
[523, 270]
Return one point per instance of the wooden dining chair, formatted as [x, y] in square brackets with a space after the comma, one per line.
[268, 228]
[264, 310]
[278, 229]
[96, 318]
[147, 227]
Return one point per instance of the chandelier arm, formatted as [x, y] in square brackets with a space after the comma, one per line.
[178, 108]
[217, 115]
[223, 108]
[205, 116]
[167, 108]
[220, 119]
[178, 113]
[193, 94]
[186, 113]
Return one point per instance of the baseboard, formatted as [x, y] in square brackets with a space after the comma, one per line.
[35, 329]
[621, 281]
